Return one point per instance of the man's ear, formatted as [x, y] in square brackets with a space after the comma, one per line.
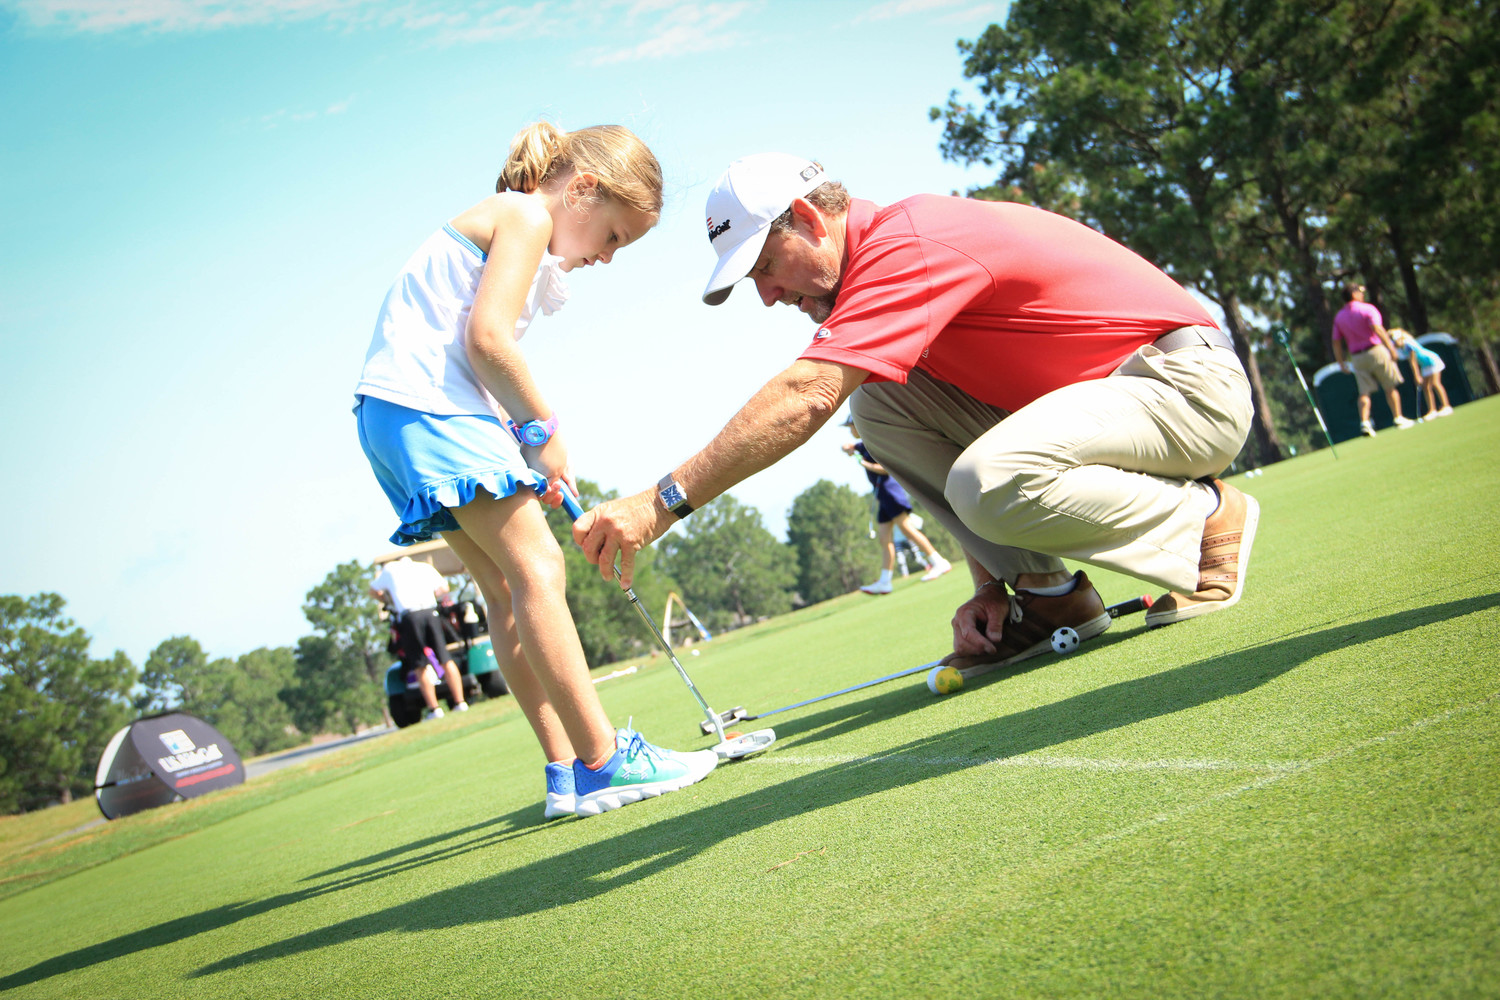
[809, 218]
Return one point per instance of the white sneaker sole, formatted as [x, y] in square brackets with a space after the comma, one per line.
[605, 799]
[559, 805]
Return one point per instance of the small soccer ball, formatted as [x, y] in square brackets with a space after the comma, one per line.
[1065, 640]
[944, 680]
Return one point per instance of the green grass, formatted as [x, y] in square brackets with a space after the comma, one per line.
[1299, 797]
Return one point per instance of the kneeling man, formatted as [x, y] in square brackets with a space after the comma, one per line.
[1046, 393]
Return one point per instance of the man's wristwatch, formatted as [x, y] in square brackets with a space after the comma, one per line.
[533, 432]
[672, 497]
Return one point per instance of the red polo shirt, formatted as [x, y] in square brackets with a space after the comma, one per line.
[1005, 301]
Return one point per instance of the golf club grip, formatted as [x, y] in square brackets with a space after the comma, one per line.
[571, 504]
[1130, 607]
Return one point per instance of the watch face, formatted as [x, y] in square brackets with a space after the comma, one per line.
[672, 496]
[533, 433]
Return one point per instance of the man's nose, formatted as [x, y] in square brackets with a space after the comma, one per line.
[769, 294]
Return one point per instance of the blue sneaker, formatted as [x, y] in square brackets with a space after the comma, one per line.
[559, 791]
[638, 770]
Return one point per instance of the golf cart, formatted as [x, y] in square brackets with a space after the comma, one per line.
[466, 628]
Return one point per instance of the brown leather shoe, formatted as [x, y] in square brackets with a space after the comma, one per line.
[1227, 536]
[1032, 620]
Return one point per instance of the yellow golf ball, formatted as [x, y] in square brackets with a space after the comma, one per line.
[944, 680]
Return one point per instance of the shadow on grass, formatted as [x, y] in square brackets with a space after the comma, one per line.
[637, 854]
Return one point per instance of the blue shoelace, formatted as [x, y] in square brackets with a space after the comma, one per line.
[638, 745]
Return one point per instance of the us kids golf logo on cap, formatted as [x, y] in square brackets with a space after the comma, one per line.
[714, 232]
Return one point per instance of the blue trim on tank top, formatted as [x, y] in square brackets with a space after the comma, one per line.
[448, 228]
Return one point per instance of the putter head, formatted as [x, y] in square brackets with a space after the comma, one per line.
[728, 718]
[744, 746]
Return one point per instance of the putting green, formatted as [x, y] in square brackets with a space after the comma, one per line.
[1297, 797]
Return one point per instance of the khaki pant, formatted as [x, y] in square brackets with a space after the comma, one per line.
[1100, 471]
[1374, 368]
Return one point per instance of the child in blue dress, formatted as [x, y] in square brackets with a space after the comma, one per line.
[465, 445]
[1426, 368]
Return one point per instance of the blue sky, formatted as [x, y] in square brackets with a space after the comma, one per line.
[205, 200]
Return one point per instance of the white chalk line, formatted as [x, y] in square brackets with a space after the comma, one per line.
[1031, 760]
[1411, 727]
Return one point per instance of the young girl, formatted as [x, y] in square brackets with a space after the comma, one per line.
[1427, 371]
[465, 445]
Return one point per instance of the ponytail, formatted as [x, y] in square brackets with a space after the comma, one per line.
[534, 156]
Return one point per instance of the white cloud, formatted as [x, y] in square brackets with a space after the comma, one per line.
[978, 12]
[636, 29]
[681, 29]
[103, 16]
[467, 27]
[904, 8]
[653, 28]
[282, 115]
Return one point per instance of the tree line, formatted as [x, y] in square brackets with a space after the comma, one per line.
[1262, 152]
[60, 705]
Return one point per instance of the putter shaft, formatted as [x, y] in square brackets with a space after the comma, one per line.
[575, 511]
[1130, 607]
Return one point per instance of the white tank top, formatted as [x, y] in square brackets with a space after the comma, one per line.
[417, 357]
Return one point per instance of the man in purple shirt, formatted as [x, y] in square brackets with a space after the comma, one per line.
[1360, 345]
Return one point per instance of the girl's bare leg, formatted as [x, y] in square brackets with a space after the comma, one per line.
[1437, 384]
[514, 667]
[512, 532]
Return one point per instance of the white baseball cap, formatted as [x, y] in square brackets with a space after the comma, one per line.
[743, 204]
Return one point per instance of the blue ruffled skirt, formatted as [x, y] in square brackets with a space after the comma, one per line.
[429, 463]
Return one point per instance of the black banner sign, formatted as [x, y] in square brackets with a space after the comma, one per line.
[161, 759]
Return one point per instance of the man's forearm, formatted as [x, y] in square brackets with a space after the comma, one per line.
[776, 421]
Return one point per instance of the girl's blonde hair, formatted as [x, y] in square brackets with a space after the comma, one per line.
[627, 170]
